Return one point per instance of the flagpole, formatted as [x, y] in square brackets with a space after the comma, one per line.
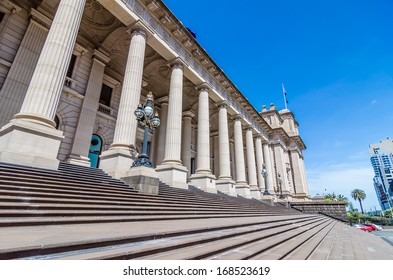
[284, 92]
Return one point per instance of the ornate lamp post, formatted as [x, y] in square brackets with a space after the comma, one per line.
[280, 185]
[264, 175]
[149, 120]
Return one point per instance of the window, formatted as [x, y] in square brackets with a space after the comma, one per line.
[106, 95]
[376, 151]
[71, 66]
[1, 16]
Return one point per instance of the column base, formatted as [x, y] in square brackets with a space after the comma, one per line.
[255, 192]
[174, 175]
[205, 182]
[79, 160]
[226, 186]
[116, 162]
[143, 179]
[243, 190]
[29, 143]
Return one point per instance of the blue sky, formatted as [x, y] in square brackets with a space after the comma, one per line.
[335, 59]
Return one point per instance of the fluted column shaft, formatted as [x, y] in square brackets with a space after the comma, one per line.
[269, 168]
[259, 156]
[126, 124]
[203, 139]
[186, 142]
[223, 138]
[43, 94]
[174, 121]
[239, 152]
[252, 173]
[16, 84]
[162, 131]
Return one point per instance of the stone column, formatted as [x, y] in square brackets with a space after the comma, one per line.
[35, 119]
[269, 168]
[225, 182]
[233, 160]
[299, 175]
[171, 171]
[22, 69]
[186, 141]
[84, 129]
[203, 177]
[161, 132]
[242, 188]
[281, 168]
[251, 164]
[118, 159]
[259, 157]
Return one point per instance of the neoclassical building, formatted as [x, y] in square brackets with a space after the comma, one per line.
[72, 73]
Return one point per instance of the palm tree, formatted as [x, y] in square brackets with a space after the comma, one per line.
[360, 195]
[343, 198]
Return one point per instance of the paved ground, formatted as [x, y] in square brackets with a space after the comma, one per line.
[385, 234]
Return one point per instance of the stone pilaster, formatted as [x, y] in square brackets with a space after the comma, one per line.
[186, 141]
[171, 171]
[35, 119]
[251, 164]
[281, 168]
[269, 168]
[242, 188]
[203, 177]
[259, 158]
[299, 176]
[161, 132]
[84, 130]
[118, 159]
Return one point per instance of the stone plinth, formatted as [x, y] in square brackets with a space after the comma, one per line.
[243, 190]
[143, 179]
[205, 182]
[255, 193]
[23, 142]
[116, 162]
[268, 199]
[226, 186]
[174, 175]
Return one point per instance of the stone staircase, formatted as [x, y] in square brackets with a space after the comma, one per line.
[82, 213]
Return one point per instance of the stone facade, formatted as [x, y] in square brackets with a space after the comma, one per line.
[74, 69]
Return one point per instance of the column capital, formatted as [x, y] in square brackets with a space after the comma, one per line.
[202, 87]
[162, 100]
[139, 28]
[98, 55]
[249, 128]
[176, 63]
[223, 104]
[188, 114]
[237, 117]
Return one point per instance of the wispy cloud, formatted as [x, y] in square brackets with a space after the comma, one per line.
[373, 102]
[342, 179]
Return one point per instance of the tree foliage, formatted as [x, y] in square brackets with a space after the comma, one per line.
[359, 195]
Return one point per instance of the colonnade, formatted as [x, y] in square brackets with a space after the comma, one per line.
[239, 163]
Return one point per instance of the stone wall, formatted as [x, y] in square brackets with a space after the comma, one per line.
[334, 209]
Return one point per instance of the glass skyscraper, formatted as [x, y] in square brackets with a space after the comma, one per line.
[382, 162]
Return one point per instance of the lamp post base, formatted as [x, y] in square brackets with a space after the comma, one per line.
[143, 160]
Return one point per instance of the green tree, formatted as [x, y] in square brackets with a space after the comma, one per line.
[359, 195]
[350, 206]
[343, 198]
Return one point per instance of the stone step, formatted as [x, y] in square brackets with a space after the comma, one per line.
[40, 191]
[148, 248]
[44, 240]
[53, 207]
[293, 242]
[303, 252]
[272, 240]
[205, 250]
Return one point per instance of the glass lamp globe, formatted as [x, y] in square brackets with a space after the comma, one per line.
[139, 113]
[155, 121]
[149, 110]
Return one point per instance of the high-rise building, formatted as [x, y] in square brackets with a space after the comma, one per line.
[382, 162]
